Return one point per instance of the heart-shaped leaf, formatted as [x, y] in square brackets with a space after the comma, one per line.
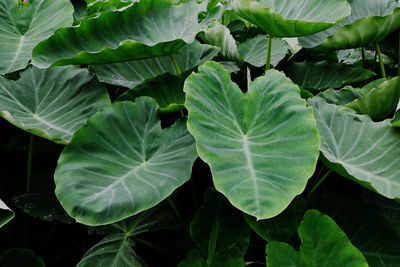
[292, 18]
[23, 27]
[381, 102]
[358, 148]
[121, 163]
[323, 244]
[262, 146]
[324, 74]
[129, 74]
[113, 250]
[51, 103]
[370, 22]
[145, 29]
[254, 50]
[6, 214]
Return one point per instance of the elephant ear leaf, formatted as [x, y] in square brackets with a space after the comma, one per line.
[262, 146]
[6, 214]
[51, 103]
[323, 243]
[24, 26]
[292, 18]
[358, 148]
[121, 163]
[370, 22]
[145, 29]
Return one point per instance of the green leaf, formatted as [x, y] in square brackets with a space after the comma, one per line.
[217, 225]
[358, 148]
[132, 73]
[97, 6]
[23, 27]
[41, 206]
[51, 103]
[370, 22]
[230, 257]
[220, 36]
[381, 102]
[20, 257]
[342, 96]
[395, 122]
[262, 146]
[323, 244]
[319, 75]
[6, 214]
[292, 18]
[167, 90]
[121, 163]
[113, 250]
[145, 29]
[254, 50]
[368, 227]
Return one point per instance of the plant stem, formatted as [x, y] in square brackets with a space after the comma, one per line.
[398, 62]
[378, 50]
[29, 167]
[146, 243]
[172, 204]
[321, 180]
[268, 65]
[295, 53]
[176, 66]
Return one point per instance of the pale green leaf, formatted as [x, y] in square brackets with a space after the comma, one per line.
[6, 214]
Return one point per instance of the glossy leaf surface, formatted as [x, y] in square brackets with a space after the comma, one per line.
[113, 250]
[129, 74]
[23, 27]
[292, 18]
[122, 163]
[145, 29]
[370, 21]
[262, 146]
[323, 244]
[319, 75]
[359, 148]
[52, 103]
[6, 214]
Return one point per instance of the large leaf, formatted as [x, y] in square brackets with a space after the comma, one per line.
[6, 214]
[129, 74]
[262, 146]
[324, 74]
[292, 18]
[122, 163]
[255, 50]
[147, 28]
[370, 22]
[167, 90]
[23, 27]
[381, 102]
[113, 250]
[51, 103]
[368, 227]
[342, 96]
[359, 148]
[217, 225]
[323, 244]
[97, 6]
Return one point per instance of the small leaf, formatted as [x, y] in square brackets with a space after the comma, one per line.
[113, 250]
[319, 75]
[51, 103]
[292, 18]
[6, 214]
[358, 148]
[121, 163]
[23, 27]
[262, 146]
[323, 243]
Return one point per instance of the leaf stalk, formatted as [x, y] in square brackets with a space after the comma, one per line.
[323, 178]
[176, 66]
[269, 51]
[378, 50]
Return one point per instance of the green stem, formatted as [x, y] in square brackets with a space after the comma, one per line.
[29, 167]
[146, 243]
[268, 65]
[172, 204]
[381, 61]
[326, 175]
[398, 63]
[295, 53]
[177, 69]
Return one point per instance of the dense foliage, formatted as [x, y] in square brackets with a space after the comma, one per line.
[200, 133]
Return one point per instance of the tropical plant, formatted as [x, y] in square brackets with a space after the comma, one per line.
[200, 133]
